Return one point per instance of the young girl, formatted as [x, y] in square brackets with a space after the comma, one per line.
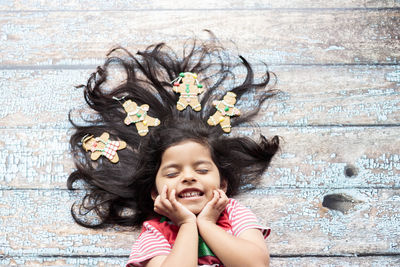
[160, 156]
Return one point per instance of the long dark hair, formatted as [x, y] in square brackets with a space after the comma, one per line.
[120, 193]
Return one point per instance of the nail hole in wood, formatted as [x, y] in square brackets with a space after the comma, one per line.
[339, 202]
[350, 171]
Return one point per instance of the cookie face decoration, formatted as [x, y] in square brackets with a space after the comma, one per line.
[189, 88]
[225, 110]
[138, 115]
[102, 146]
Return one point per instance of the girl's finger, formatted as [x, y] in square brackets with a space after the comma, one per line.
[164, 199]
[214, 200]
[157, 200]
[172, 197]
[158, 206]
[223, 199]
[222, 194]
[164, 192]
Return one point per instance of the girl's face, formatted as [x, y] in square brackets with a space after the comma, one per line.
[189, 169]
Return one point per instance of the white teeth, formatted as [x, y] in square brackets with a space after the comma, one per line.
[190, 194]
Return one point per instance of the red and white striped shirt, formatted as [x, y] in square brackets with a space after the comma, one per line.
[156, 241]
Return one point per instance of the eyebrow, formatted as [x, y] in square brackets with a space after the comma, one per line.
[203, 162]
[172, 165]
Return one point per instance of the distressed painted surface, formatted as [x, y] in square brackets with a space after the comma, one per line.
[302, 226]
[319, 157]
[290, 37]
[350, 261]
[37, 222]
[331, 194]
[335, 95]
[44, 97]
[64, 261]
[309, 158]
[311, 95]
[22, 5]
[337, 262]
[34, 158]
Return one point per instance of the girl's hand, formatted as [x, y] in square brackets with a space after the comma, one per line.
[168, 206]
[212, 210]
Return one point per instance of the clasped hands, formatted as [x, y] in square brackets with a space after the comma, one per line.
[167, 205]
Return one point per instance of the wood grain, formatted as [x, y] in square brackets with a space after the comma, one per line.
[64, 261]
[350, 261]
[368, 261]
[332, 194]
[311, 95]
[290, 37]
[37, 222]
[180, 5]
[320, 157]
[309, 158]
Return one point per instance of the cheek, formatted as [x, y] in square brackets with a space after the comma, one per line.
[156, 189]
[160, 183]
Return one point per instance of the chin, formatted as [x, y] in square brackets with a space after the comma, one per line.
[195, 210]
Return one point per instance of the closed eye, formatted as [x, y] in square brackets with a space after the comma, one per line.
[172, 174]
[202, 171]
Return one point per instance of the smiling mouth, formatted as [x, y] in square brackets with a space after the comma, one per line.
[190, 194]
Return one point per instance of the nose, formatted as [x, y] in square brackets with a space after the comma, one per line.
[188, 177]
[189, 180]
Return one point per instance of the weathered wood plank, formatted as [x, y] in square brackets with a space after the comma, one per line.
[376, 261]
[304, 227]
[64, 261]
[334, 157]
[337, 262]
[311, 95]
[301, 37]
[49, 46]
[36, 222]
[334, 95]
[34, 159]
[180, 4]
[40, 98]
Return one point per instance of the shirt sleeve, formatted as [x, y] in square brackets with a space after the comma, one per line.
[242, 219]
[149, 244]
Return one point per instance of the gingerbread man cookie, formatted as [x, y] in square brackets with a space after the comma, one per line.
[189, 88]
[225, 110]
[102, 146]
[138, 116]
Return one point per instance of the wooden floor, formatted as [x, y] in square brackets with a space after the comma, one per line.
[332, 196]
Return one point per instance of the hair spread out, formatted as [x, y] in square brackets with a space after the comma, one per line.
[120, 193]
